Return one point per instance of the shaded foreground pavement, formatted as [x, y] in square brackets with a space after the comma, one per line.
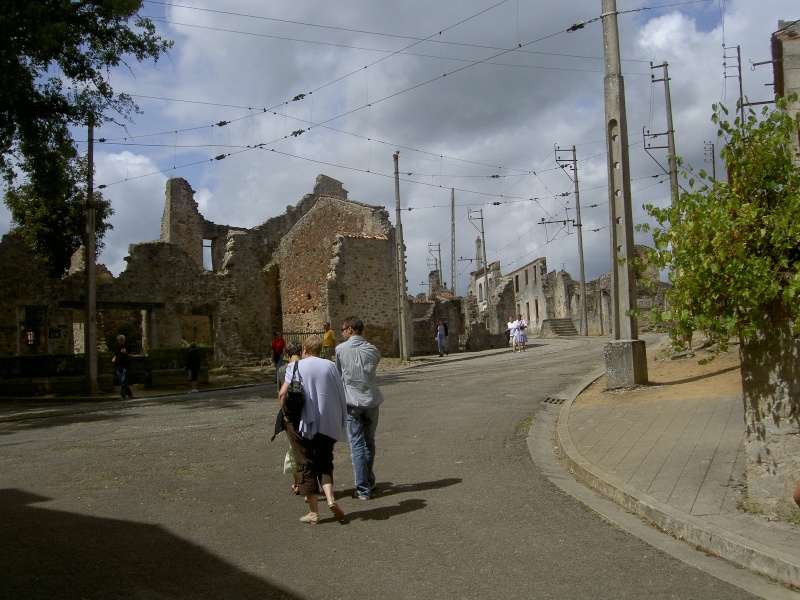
[182, 497]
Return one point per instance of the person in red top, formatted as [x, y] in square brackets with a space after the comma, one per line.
[278, 348]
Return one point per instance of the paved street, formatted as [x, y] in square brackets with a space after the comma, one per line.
[184, 497]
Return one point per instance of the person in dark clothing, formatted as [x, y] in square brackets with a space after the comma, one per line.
[122, 362]
[193, 366]
[278, 347]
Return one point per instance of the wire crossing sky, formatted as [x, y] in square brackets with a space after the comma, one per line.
[257, 99]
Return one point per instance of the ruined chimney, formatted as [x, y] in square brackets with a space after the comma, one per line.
[182, 223]
[478, 254]
[434, 284]
[327, 186]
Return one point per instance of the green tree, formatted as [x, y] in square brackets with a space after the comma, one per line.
[733, 250]
[55, 60]
[734, 244]
[53, 221]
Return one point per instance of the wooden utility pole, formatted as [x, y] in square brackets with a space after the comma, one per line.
[401, 265]
[90, 318]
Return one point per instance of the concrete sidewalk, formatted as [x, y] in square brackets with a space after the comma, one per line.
[680, 465]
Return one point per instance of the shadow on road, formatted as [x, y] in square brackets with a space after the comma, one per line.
[384, 512]
[55, 554]
[387, 488]
[64, 420]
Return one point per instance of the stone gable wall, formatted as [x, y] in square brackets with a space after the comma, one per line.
[363, 283]
[305, 257]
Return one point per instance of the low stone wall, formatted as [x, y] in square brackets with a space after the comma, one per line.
[42, 386]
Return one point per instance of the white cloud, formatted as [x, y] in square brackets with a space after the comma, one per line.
[454, 132]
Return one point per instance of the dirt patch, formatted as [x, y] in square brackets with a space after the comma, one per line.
[676, 377]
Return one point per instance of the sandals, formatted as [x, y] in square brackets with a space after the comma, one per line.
[338, 513]
[311, 518]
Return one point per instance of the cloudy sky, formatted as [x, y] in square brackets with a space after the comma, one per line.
[475, 95]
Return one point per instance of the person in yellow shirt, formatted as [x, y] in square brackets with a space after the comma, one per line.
[328, 341]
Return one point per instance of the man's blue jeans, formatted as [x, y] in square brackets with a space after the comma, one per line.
[361, 426]
[124, 390]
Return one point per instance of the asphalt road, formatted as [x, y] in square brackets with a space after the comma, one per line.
[184, 497]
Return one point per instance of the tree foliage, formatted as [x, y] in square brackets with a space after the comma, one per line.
[54, 223]
[55, 59]
[733, 247]
[55, 62]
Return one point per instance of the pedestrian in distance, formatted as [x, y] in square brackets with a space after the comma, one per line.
[278, 346]
[328, 341]
[122, 362]
[521, 333]
[193, 366]
[441, 337]
[512, 333]
[357, 361]
[320, 424]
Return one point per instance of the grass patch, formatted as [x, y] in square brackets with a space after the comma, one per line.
[525, 426]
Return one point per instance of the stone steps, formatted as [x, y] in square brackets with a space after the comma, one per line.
[557, 328]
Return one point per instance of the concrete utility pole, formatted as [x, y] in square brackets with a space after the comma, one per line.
[483, 252]
[90, 318]
[584, 311]
[401, 265]
[453, 240]
[709, 150]
[626, 357]
[738, 75]
[672, 157]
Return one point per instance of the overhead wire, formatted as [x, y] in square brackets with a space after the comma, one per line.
[323, 123]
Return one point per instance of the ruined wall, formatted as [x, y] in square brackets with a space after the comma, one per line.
[490, 306]
[242, 324]
[528, 293]
[324, 259]
[28, 303]
[323, 276]
[426, 315]
[362, 282]
[598, 305]
[561, 288]
[181, 223]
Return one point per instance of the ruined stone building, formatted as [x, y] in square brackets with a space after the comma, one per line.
[439, 303]
[543, 298]
[530, 288]
[324, 259]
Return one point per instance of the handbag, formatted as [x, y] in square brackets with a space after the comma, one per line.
[295, 398]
